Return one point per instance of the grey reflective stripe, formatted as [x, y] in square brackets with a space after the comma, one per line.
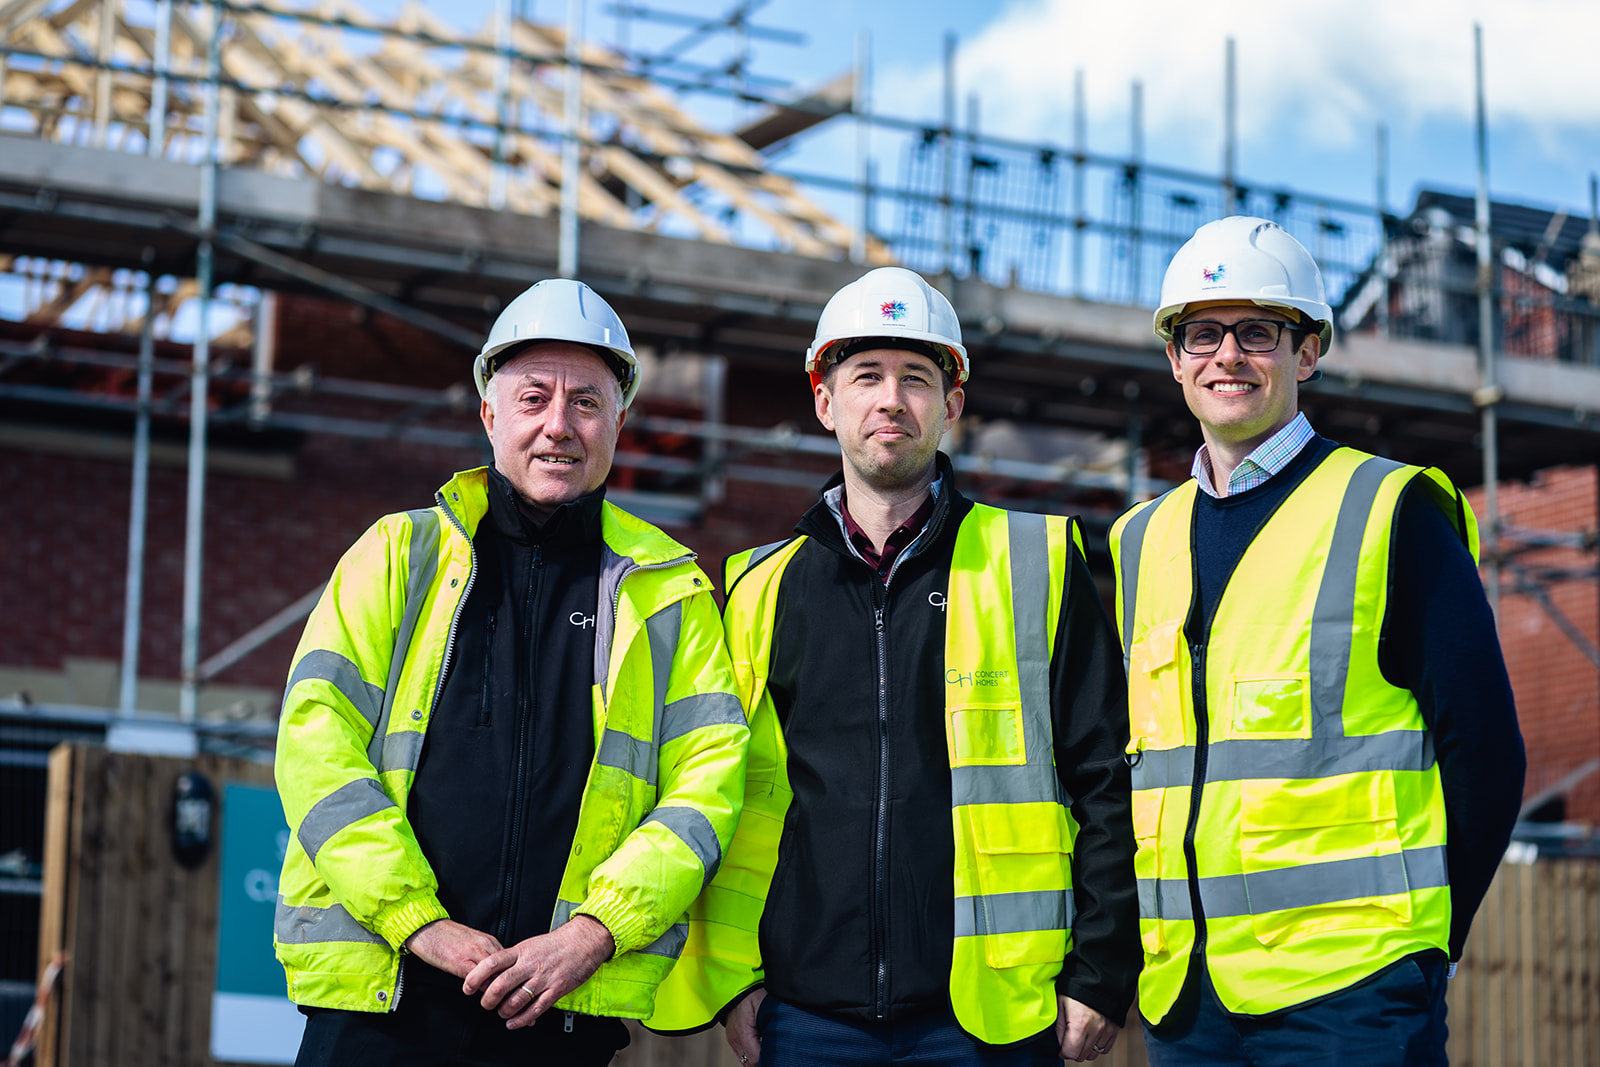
[613, 568]
[350, 803]
[1247, 759]
[1333, 617]
[669, 944]
[422, 564]
[402, 751]
[305, 925]
[1029, 537]
[341, 673]
[1303, 886]
[625, 752]
[702, 709]
[1014, 913]
[662, 629]
[1016, 784]
[1132, 550]
[759, 554]
[692, 828]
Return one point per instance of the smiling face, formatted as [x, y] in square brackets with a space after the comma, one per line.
[1242, 398]
[553, 424]
[889, 409]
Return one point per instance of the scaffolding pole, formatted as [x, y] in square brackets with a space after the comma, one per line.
[1135, 217]
[1382, 260]
[194, 519]
[862, 105]
[1488, 390]
[1230, 132]
[1080, 138]
[133, 599]
[567, 250]
[502, 98]
[948, 187]
[157, 128]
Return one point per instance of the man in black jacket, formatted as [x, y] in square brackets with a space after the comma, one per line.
[917, 664]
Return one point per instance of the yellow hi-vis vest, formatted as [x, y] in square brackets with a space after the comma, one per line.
[1013, 831]
[662, 796]
[1319, 839]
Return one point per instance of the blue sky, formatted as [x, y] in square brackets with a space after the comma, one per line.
[1315, 79]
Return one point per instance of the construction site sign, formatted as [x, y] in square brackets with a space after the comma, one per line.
[252, 1018]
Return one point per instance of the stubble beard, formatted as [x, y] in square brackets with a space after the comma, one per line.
[893, 469]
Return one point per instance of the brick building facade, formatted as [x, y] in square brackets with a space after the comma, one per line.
[1556, 683]
[282, 508]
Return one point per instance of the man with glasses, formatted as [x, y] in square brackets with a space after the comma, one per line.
[1326, 761]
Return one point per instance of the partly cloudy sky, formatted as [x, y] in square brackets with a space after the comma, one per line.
[1314, 81]
[1315, 78]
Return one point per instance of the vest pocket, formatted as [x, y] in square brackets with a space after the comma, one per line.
[1147, 867]
[1155, 710]
[1023, 859]
[1322, 854]
[1276, 706]
[985, 735]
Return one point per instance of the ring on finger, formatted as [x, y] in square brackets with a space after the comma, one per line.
[531, 995]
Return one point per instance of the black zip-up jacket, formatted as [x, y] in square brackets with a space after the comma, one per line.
[495, 801]
[860, 915]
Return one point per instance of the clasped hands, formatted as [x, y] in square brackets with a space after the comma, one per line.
[524, 981]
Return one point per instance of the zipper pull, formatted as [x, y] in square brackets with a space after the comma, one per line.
[567, 1027]
[538, 555]
[877, 619]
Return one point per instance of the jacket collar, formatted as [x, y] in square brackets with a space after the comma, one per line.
[574, 523]
[823, 521]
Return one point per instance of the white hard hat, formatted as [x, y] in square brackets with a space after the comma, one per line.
[892, 303]
[560, 309]
[1248, 260]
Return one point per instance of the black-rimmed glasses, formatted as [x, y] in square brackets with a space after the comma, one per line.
[1256, 336]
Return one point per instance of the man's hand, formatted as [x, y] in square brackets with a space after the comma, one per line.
[451, 947]
[742, 1036]
[1084, 1033]
[524, 981]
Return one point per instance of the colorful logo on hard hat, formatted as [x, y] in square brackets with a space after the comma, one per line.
[893, 310]
[1214, 274]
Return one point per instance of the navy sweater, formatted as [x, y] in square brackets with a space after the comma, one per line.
[1438, 641]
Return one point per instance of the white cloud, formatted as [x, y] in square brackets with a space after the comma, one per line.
[1320, 73]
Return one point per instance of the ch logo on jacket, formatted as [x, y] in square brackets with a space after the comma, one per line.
[581, 621]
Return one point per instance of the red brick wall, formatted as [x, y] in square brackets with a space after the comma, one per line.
[1557, 686]
[266, 544]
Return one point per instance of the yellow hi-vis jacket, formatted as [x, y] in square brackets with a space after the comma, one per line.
[1320, 834]
[1013, 833]
[663, 793]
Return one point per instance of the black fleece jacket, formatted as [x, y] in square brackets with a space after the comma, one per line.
[507, 754]
[861, 929]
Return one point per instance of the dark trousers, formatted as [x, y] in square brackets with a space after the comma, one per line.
[794, 1037]
[1396, 1018]
[435, 1026]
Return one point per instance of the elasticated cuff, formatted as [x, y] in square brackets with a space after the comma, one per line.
[612, 910]
[411, 914]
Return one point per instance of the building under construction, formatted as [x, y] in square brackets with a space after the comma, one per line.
[247, 252]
